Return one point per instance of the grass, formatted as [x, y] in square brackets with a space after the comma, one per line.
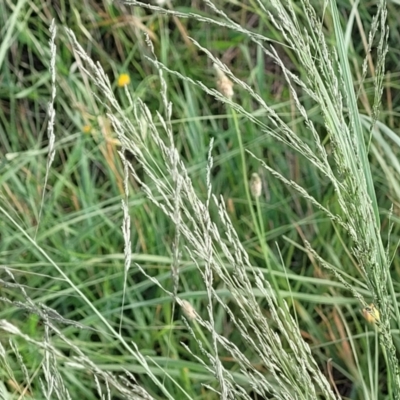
[209, 290]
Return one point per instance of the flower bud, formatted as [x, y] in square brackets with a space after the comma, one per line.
[224, 84]
[188, 310]
[255, 185]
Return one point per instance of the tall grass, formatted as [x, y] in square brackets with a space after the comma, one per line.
[269, 352]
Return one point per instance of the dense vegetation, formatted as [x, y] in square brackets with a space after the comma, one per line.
[199, 202]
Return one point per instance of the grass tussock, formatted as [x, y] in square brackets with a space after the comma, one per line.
[206, 213]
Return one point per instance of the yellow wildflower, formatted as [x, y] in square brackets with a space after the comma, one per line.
[124, 80]
[86, 129]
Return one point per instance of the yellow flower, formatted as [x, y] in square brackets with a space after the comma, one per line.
[124, 80]
[86, 129]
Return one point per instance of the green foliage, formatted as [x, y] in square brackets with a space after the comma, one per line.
[210, 289]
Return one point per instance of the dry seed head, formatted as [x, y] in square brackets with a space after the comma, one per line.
[371, 314]
[188, 310]
[255, 185]
[224, 84]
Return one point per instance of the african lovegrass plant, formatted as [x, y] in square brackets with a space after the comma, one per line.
[292, 374]
[328, 82]
[204, 233]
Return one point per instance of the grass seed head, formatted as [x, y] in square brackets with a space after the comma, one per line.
[255, 185]
[188, 310]
[224, 84]
[371, 314]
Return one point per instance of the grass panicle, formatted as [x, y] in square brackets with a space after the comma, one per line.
[208, 160]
